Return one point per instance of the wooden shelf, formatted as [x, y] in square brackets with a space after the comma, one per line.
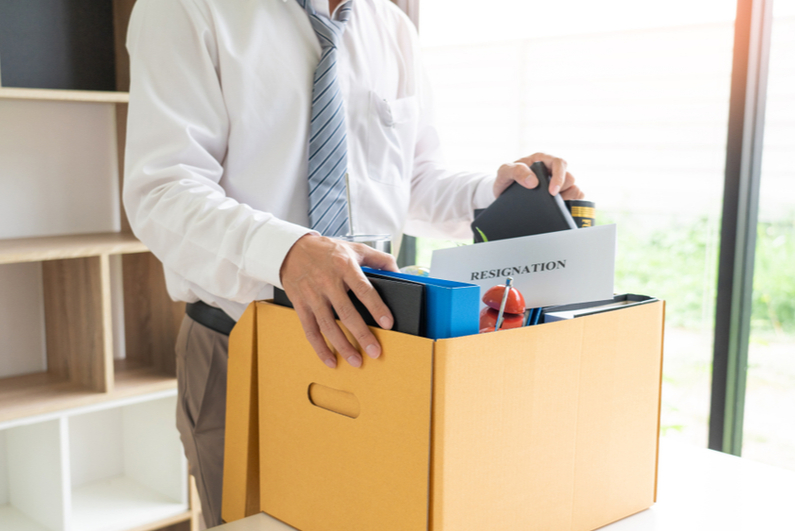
[77, 246]
[42, 393]
[37, 394]
[89, 96]
[166, 522]
[132, 379]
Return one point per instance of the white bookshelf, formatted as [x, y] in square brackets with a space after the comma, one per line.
[87, 329]
[127, 467]
[105, 467]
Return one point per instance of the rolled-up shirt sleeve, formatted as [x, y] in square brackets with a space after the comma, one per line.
[177, 135]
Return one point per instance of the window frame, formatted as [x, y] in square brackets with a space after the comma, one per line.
[751, 59]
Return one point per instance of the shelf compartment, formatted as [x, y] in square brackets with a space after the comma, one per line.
[79, 339]
[73, 246]
[77, 333]
[73, 314]
[22, 341]
[63, 159]
[151, 318]
[32, 478]
[89, 96]
[127, 467]
[97, 505]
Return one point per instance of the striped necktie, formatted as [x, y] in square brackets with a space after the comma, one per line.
[328, 150]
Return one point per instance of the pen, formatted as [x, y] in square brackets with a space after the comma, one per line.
[501, 313]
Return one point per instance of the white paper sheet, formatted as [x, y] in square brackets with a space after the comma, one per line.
[562, 267]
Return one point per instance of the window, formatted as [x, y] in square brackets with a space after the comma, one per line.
[636, 98]
[769, 433]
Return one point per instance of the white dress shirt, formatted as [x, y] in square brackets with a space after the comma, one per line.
[217, 139]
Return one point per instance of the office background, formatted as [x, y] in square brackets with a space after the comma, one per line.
[637, 99]
[646, 102]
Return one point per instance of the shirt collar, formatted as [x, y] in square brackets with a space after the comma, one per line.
[321, 6]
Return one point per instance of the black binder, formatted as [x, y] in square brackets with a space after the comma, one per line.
[404, 298]
[522, 212]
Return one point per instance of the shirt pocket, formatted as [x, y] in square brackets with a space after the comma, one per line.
[391, 138]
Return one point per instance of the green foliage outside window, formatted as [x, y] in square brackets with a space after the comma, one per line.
[676, 259]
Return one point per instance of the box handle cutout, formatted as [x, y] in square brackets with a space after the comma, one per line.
[334, 400]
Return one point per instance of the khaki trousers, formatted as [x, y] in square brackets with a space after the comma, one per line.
[201, 410]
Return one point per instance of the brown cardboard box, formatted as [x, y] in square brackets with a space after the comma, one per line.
[551, 427]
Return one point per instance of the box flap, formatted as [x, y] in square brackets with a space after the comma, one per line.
[241, 458]
[511, 396]
[618, 415]
[559, 422]
[324, 470]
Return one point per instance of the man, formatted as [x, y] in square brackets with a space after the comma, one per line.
[246, 119]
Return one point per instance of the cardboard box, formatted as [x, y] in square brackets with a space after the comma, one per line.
[551, 427]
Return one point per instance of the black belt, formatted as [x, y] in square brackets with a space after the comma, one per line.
[213, 318]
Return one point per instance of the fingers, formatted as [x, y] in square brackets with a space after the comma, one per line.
[315, 338]
[572, 192]
[316, 274]
[365, 292]
[357, 282]
[331, 330]
[555, 165]
[521, 173]
[558, 176]
[515, 171]
[353, 321]
[376, 259]
[319, 324]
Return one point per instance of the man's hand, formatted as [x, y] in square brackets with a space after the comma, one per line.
[317, 274]
[562, 181]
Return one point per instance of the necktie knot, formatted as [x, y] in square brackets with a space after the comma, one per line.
[329, 31]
